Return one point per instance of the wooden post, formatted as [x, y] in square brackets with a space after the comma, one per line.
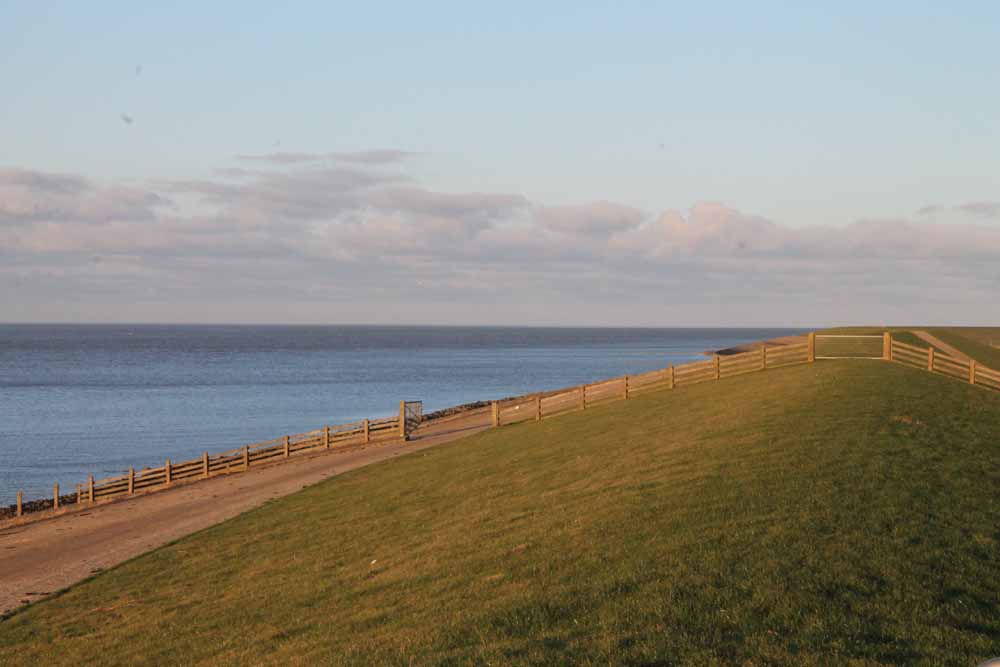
[583, 397]
[131, 480]
[90, 489]
[538, 407]
[887, 346]
[326, 437]
[718, 373]
[55, 496]
[402, 420]
[495, 413]
[167, 472]
[246, 457]
[972, 371]
[287, 451]
[368, 436]
[626, 388]
[763, 357]
[20, 503]
[811, 339]
[204, 464]
[79, 493]
[930, 358]
[673, 383]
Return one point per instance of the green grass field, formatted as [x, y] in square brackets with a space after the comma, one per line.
[840, 513]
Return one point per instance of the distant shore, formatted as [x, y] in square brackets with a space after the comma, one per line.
[749, 347]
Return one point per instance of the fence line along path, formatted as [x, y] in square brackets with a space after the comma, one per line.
[327, 438]
[510, 411]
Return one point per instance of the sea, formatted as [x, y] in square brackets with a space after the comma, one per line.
[94, 399]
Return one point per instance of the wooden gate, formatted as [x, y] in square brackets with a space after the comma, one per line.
[411, 413]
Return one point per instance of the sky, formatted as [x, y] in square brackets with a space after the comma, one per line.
[618, 164]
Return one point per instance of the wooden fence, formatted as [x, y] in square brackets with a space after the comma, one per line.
[539, 406]
[233, 461]
[510, 411]
[547, 404]
[939, 362]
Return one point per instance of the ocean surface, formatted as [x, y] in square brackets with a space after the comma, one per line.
[93, 399]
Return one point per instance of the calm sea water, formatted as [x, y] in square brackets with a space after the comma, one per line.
[94, 399]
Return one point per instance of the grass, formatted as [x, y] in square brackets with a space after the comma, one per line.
[840, 513]
[849, 347]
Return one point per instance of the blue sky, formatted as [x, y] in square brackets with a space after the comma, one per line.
[806, 116]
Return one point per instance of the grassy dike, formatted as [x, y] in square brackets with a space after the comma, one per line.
[841, 513]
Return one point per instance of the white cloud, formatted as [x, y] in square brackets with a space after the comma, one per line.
[353, 236]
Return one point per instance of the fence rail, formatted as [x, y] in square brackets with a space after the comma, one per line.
[582, 397]
[510, 411]
[936, 361]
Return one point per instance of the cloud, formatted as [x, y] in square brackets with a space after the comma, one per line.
[360, 238]
[976, 209]
[475, 209]
[283, 158]
[32, 196]
[310, 194]
[986, 209]
[600, 219]
[370, 157]
[374, 157]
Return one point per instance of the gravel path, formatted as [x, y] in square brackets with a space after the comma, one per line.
[41, 558]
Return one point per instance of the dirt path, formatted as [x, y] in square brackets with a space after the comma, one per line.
[38, 559]
[941, 345]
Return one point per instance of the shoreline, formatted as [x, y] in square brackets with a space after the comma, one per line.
[780, 341]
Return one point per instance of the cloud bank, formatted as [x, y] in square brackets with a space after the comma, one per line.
[338, 237]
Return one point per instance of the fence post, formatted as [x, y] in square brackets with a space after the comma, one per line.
[79, 493]
[887, 346]
[538, 407]
[55, 496]
[204, 464]
[718, 374]
[20, 503]
[930, 358]
[287, 452]
[131, 480]
[246, 457]
[763, 357]
[811, 340]
[402, 420]
[673, 383]
[326, 437]
[166, 472]
[583, 397]
[972, 371]
[626, 387]
[368, 436]
[495, 413]
[90, 489]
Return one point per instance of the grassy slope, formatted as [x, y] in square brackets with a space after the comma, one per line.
[839, 513]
